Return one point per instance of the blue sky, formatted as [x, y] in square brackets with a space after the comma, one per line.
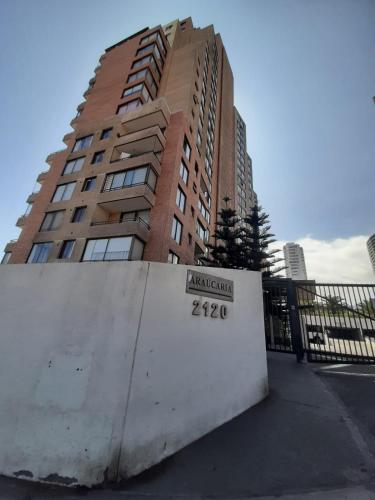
[304, 80]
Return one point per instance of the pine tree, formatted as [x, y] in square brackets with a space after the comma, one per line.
[256, 238]
[227, 249]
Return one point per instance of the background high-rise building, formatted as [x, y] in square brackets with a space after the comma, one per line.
[371, 250]
[150, 159]
[294, 261]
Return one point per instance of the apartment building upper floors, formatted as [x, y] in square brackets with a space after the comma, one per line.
[140, 177]
[245, 196]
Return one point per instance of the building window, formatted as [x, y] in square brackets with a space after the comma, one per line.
[89, 184]
[64, 192]
[66, 249]
[148, 59]
[173, 258]
[108, 249]
[137, 75]
[52, 220]
[146, 94]
[187, 148]
[154, 36]
[98, 157]
[151, 82]
[83, 143]
[155, 50]
[181, 200]
[141, 87]
[133, 90]
[6, 257]
[79, 214]
[207, 165]
[39, 253]
[128, 106]
[72, 166]
[196, 168]
[201, 231]
[184, 172]
[205, 192]
[129, 178]
[203, 210]
[106, 133]
[176, 230]
[199, 140]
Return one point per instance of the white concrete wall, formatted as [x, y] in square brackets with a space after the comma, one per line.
[104, 371]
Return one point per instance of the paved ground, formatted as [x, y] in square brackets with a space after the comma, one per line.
[313, 438]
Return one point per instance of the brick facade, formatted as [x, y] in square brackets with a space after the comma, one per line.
[189, 91]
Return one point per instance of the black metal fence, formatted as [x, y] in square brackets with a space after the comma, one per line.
[337, 322]
[327, 322]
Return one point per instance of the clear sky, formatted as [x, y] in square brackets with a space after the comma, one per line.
[304, 75]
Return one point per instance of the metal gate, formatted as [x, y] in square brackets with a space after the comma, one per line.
[325, 322]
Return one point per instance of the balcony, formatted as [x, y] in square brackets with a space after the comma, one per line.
[67, 138]
[21, 221]
[42, 176]
[152, 114]
[10, 245]
[32, 197]
[126, 226]
[149, 140]
[126, 162]
[127, 199]
[50, 157]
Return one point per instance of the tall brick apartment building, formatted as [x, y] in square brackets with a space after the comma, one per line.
[152, 155]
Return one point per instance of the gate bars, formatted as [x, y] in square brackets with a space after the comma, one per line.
[330, 322]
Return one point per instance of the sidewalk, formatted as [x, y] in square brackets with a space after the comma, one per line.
[301, 442]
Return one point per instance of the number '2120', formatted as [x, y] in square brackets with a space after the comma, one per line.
[213, 310]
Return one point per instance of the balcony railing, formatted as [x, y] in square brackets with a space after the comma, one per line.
[118, 188]
[123, 220]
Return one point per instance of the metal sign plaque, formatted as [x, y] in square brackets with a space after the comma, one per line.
[209, 286]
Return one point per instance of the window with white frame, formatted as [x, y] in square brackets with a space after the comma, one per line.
[64, 192]
[108, 249]
[131, 177]
[184, 172]
[176, 230]
[83, 143]
[52, 220]
[187, 148]
[66, 249]
[201, 231]
[40, 252]
[129, 106]
[72, 166]
[203, 210]
[173, 258]
[180, 199]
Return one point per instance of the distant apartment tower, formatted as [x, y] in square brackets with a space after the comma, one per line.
[294, 261]
[150, 159]
[371, 250]
[245, 196]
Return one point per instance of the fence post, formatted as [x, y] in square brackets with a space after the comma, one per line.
[295, 324]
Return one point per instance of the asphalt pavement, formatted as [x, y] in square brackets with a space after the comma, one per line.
[313, 438]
